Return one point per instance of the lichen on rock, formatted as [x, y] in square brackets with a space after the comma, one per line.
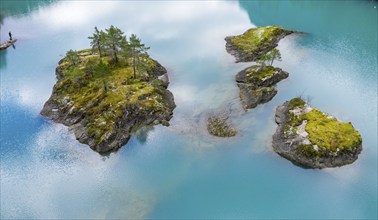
[314, 139]
[256, 84]
[103, 104]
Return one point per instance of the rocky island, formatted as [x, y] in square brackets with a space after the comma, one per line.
[255, 42]
[256, 84]
[311, 138]
[106, 93]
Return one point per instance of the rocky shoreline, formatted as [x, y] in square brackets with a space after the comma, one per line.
[85, 121]
[296, 142]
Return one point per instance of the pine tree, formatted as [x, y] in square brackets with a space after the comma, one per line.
[275, 55]
[115, 40]
[270, 56]
[137, 51]
[98, 41]
[72, 57]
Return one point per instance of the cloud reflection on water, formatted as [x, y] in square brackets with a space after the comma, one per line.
[66, 179]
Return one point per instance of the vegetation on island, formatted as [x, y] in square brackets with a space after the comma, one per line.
[257, 38]
[326, 135]
[257, 44]
[269, 57]
[102, 83]
[257, 74]
[256, 84]
[311, 138]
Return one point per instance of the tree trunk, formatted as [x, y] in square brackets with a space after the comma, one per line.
[115, 54]
[134, 67]
[273, 57]
[134, 64]
[99, 48]
[99, 51]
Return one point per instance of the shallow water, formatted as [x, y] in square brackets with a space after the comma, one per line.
[180, 171]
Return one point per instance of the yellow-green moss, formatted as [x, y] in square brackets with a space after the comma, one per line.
[324, 131]
[329, 133]
[256, 38]
[103, 90]
[296, 103]
[257, 73]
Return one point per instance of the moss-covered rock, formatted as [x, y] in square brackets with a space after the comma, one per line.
[255, 42]
[218, 126]
[256, 84]
[103, 104]
[311, 138]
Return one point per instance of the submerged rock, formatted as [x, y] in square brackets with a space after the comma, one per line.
[103, 104]
[311, 138]
[255, 42]
[218, 126]
[256, 84]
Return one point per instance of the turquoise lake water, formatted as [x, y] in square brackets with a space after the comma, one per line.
[180, 171]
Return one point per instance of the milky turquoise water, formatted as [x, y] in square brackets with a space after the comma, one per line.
[181, 171]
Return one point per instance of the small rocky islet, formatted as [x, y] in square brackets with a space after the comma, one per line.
[311, 138]
[256, 83]
[104, 101]
[305, 135]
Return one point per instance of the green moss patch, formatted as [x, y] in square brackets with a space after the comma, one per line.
[258, 73]
[296, 103]
[326, 134]
[256, 38]
[329, 133]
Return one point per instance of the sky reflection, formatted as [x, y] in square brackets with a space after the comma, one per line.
[165, 171]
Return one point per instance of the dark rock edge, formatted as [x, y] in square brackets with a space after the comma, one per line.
[286, 147]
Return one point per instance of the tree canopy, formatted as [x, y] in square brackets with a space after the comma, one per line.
[138, 52]
[112, 42]
[72, 57]
[270, 57]
[109, 42]
[98, 41]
